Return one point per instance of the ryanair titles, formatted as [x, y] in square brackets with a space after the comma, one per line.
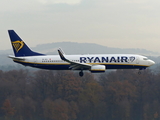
[117, 59]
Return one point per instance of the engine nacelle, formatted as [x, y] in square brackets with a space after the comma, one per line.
[98, 68]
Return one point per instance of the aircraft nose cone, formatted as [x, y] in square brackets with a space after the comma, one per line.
[151, 62]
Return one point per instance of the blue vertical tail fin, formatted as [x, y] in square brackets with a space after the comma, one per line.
[19, 47]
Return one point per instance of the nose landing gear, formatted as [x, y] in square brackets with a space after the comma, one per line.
[140, 70]
[81, 73]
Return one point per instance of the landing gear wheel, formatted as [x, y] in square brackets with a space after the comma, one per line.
[81, 73]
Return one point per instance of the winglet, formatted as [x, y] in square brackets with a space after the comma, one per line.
[61, 54]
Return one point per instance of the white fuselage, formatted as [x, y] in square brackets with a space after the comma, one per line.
[111, 61]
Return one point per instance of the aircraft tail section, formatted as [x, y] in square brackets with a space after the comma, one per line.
[19, 47]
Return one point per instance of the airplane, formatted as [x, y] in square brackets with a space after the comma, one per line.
[95, 63]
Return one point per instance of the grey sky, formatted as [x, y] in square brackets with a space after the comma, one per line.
[113, 23]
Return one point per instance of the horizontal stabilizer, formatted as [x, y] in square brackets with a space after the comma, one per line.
[16, 58]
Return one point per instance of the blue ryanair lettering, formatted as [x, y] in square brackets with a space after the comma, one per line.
[118, 59]
[83, 59]
[90, 59]
[124, 59]
[106, 59]
[112, 59]
[97, 60]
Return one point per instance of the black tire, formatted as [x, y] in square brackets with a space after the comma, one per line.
[81, 74]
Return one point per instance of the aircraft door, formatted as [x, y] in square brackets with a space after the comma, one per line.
[137, 60]
[35, 61]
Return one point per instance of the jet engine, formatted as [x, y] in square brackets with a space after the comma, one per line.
[98, 68]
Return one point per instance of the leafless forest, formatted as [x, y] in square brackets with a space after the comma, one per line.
[63, 95]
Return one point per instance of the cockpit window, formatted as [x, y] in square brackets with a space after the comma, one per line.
[145, 58]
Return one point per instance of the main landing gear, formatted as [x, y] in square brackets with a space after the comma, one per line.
[81, 73]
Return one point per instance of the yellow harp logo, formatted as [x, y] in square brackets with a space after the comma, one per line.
[18, 45]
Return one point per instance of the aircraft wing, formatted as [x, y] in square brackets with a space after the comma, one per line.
[73, 65]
